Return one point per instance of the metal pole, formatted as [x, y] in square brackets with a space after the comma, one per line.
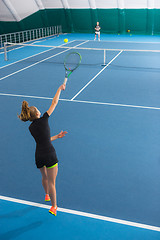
[1, 41]
[5, 51]
[36, 34]
[104, 60]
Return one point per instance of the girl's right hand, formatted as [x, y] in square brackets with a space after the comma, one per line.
[62, 87]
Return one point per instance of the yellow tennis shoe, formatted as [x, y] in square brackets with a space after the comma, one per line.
[53, 210]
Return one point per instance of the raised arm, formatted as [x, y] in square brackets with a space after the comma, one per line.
[56, 99]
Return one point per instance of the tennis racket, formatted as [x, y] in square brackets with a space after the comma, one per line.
[71, 63]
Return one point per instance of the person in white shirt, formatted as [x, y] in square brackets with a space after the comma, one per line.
[97, 31]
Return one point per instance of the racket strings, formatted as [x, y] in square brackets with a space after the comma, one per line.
[72, 61]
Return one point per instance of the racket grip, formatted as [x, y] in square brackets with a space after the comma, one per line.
[65, 80]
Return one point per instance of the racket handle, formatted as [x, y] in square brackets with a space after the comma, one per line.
[65, 80]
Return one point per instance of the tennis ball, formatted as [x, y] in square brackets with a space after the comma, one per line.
[65, 40]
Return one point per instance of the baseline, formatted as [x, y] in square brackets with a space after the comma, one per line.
[84, 214]
[80, 101]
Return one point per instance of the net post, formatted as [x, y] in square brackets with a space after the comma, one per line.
[104, 59]
[5, 51]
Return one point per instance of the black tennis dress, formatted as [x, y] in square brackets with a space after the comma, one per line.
[45, 154]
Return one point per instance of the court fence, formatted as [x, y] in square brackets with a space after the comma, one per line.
[29, 35]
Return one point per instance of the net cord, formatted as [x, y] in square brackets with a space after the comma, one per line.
[67, 47]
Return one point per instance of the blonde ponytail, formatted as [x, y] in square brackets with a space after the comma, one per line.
[25, 112]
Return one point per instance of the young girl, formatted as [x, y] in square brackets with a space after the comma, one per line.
[45, 155]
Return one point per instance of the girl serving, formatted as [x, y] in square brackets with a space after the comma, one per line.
[45, 155]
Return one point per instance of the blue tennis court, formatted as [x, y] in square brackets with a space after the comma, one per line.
[109, 162]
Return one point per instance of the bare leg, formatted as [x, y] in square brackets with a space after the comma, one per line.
[99, 36]
[44, 179]
[52, 174]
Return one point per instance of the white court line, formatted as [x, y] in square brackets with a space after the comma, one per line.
[81, 101]
[115, 104]
[22, 69]
[96, 75]
[84, 214]
[34, 54]
[125, 42]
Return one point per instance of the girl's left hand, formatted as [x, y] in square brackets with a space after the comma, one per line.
[62, 134]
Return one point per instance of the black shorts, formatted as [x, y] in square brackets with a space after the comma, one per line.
[48, 160]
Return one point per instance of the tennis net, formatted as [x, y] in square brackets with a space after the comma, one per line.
[116, 58]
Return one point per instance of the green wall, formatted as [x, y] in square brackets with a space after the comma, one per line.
[138, 21]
